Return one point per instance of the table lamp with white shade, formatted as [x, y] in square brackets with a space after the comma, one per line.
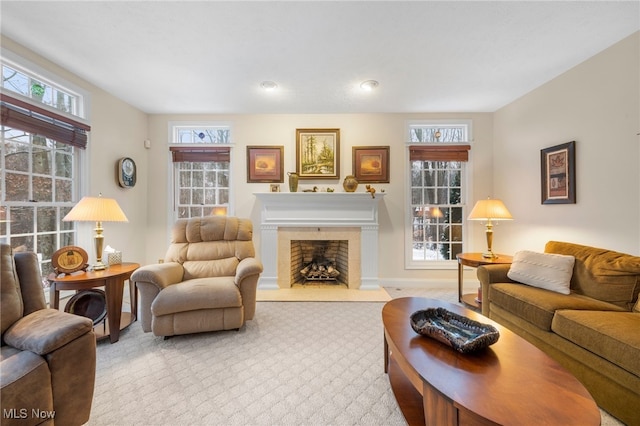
[97, 209]
[489, 210]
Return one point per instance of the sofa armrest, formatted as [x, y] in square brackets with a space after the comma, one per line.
[247, 267]
[491, 274]
[247, 274]
[46, 330]
[161, 275]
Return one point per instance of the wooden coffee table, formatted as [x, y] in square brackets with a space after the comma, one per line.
[511, 382]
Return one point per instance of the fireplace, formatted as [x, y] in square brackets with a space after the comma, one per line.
[319, 262]
[348, 220]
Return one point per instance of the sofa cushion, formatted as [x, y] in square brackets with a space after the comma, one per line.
[199, 293]
[612, 335]
[538, 306]
[602, 274]
[636, 307]
[549, 271]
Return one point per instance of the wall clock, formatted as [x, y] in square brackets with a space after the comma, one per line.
[69, 259]
[126, 172]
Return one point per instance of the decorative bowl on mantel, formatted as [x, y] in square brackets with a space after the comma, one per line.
[461, 333]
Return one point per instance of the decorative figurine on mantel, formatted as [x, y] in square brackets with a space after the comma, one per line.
[371, 190]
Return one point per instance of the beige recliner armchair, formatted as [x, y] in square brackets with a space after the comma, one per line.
[207, 282]
[47, 357]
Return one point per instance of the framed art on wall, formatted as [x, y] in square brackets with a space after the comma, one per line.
[318, 153]
[264, 164]
[371, 163]
[558, 170]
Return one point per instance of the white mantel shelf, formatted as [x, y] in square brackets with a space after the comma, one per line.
[319, 209]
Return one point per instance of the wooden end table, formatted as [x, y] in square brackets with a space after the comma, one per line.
[112, 279]
[510, 382]
[474, 260]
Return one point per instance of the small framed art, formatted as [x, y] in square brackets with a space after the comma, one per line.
[371, 163]
[318, 153]
[558, 170]
[264, 164]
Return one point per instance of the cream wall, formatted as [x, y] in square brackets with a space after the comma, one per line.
[597, 105]
[355, 130]
[117, 130]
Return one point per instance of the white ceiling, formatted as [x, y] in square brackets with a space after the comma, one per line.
[211, 56]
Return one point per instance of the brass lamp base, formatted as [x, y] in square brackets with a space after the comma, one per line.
[99, 243]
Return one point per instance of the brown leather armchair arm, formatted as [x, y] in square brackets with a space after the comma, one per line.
[46, 330]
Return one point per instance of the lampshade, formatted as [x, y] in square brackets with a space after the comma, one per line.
[96, 209]
[490, 210]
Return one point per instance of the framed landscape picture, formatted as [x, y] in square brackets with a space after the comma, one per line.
[371, 163]
[318, 153]
[558, 170]
[264, 164]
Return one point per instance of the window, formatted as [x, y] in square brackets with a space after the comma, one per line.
[201, 158]
[41, 151]
[438, 153]
[37, 88]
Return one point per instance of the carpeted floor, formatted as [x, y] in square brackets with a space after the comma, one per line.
[322, 294]
[307, 363]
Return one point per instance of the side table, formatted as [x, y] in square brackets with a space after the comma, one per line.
[474, 260]
[112, 279]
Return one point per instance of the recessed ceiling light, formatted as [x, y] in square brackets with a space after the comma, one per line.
[369, 85]
[269, 85]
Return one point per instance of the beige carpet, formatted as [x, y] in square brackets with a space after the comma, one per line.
[322, 294]
[316, 363]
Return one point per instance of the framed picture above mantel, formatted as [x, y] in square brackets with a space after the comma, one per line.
[558, 174]
[265, 164]
[318, 153]
[371, 164]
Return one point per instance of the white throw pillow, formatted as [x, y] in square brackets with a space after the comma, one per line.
[544, 270]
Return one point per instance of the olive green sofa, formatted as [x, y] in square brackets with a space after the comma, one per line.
[594, 331]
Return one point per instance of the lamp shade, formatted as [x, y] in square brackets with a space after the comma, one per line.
[96, 209]
[490, 209]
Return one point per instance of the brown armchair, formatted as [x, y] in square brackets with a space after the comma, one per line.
[47, 357]
[207, 282]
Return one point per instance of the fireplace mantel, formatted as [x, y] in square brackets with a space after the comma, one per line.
[319, 210]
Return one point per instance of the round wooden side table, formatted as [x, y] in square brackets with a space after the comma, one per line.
[474, 260]
[112, 279]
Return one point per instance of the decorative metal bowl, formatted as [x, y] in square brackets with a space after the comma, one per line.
[461, 333]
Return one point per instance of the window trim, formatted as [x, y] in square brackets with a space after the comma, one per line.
[83, 114]
[208, 150]
[53, 118]
[409, 263]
